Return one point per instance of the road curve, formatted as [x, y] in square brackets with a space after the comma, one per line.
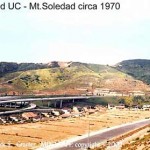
[11, 99]
[83, 142]
[31, 106]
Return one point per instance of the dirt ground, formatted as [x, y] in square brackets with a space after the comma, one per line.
[32, 135]
[138, 141]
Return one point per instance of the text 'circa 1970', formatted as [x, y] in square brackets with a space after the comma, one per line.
[37, 6]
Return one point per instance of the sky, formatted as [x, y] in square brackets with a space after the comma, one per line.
[91, 36]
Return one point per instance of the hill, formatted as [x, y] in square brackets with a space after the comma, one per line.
[138, 68]
[64, 77]
[9, 67]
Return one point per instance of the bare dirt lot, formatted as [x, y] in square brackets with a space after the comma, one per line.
[32, 135]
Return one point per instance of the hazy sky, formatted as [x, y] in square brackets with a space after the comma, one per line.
[104, 37]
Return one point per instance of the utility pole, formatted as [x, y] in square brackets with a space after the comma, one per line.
[88, 144]
[88, 132]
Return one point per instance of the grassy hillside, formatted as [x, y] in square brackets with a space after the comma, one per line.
[63, 76]
[11, 67]
[138, 68]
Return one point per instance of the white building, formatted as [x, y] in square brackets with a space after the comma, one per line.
[136, 93]
[101, 91]
[146, 107]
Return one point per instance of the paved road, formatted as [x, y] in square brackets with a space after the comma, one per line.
[31, 106]
[8, 100]
[97, 138]
[4, 100]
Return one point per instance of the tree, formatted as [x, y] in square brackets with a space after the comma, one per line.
[138, 100]
[128, 101]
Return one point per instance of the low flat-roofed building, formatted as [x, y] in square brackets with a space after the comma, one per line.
[136, 93]
[113, 93]
[101, 91]
[112, 106]
[146, 107]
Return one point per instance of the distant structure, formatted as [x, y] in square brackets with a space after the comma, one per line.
[136, 93]
[109, 92]
[146, 107]
[101, 91]
[111, 106]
